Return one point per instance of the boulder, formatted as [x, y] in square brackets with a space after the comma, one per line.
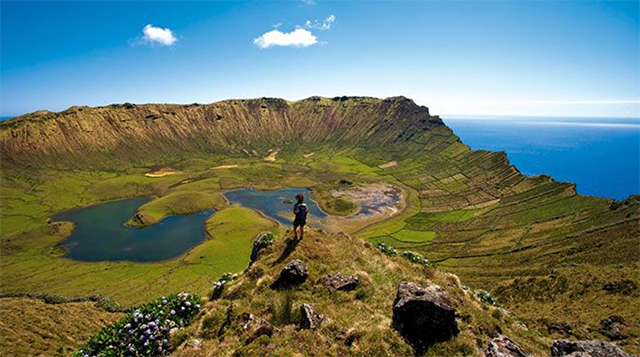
[423, 315]
[339, 282]
[593, 348]
[503, 346]
[294, 273]
[309, 318]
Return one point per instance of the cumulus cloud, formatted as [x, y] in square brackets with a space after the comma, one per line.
[300, 37]
[324, 25]
[296, 38]
[158, 36]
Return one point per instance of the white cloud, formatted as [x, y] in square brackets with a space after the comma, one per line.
[158, 36]
[297, 38]
[324, 25]
[309, 2]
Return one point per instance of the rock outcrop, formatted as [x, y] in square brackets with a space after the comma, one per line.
[262, 241]
[503, 346]
[309, 317]
[423, 315]
[294, 273]
[339, 282]
[592, 348]
[612, 327]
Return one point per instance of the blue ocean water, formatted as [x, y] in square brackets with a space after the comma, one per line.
[601, 155]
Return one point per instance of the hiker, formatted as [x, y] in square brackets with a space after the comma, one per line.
[300, 211]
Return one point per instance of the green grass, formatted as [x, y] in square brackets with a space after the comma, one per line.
[177, 203]
[410, 236]
[447, 217]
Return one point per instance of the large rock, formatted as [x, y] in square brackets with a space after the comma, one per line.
[503, 346]
[339, 282]
[294, 273]
[592, 348]
[309, 318]
[423, 315]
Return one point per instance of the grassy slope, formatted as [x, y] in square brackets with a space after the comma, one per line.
[364, 314]
[31, 327]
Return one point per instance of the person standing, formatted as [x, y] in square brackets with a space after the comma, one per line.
[300, 211]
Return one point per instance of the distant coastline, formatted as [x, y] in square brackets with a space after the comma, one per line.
[599, 154]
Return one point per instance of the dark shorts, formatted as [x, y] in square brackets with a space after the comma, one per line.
[299, 222]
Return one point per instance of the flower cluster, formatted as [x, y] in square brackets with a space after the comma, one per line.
[387, 249]
[218, 286]
[416, 258]
[264, 240]
[145, 331]
[486, 296]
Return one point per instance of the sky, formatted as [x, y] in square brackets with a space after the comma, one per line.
[539, 58]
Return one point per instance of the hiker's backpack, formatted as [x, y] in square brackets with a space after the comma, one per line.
[301, 211]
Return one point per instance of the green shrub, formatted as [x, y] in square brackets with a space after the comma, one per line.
[387, 249]
[145, 331]
[218, 286]
[264, 240]
[486, 296]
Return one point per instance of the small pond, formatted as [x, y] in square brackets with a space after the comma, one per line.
[100, 233]
[278, 204]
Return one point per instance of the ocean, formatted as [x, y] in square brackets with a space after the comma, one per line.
[601, 155]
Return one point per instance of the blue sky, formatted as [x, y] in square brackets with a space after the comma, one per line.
[573, 58]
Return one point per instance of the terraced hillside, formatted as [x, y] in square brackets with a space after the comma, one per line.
[562, 262]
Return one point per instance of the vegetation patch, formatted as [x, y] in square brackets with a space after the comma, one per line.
[33, 326]
[412, 236]
[218, 286]
[145, 331]
[336, 206]
[178, 203]
[387, 249]
[416, 258]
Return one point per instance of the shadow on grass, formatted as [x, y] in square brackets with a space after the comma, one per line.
[292, 243]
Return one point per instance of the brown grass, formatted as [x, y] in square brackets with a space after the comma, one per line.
[31, 327]
[362, 316]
